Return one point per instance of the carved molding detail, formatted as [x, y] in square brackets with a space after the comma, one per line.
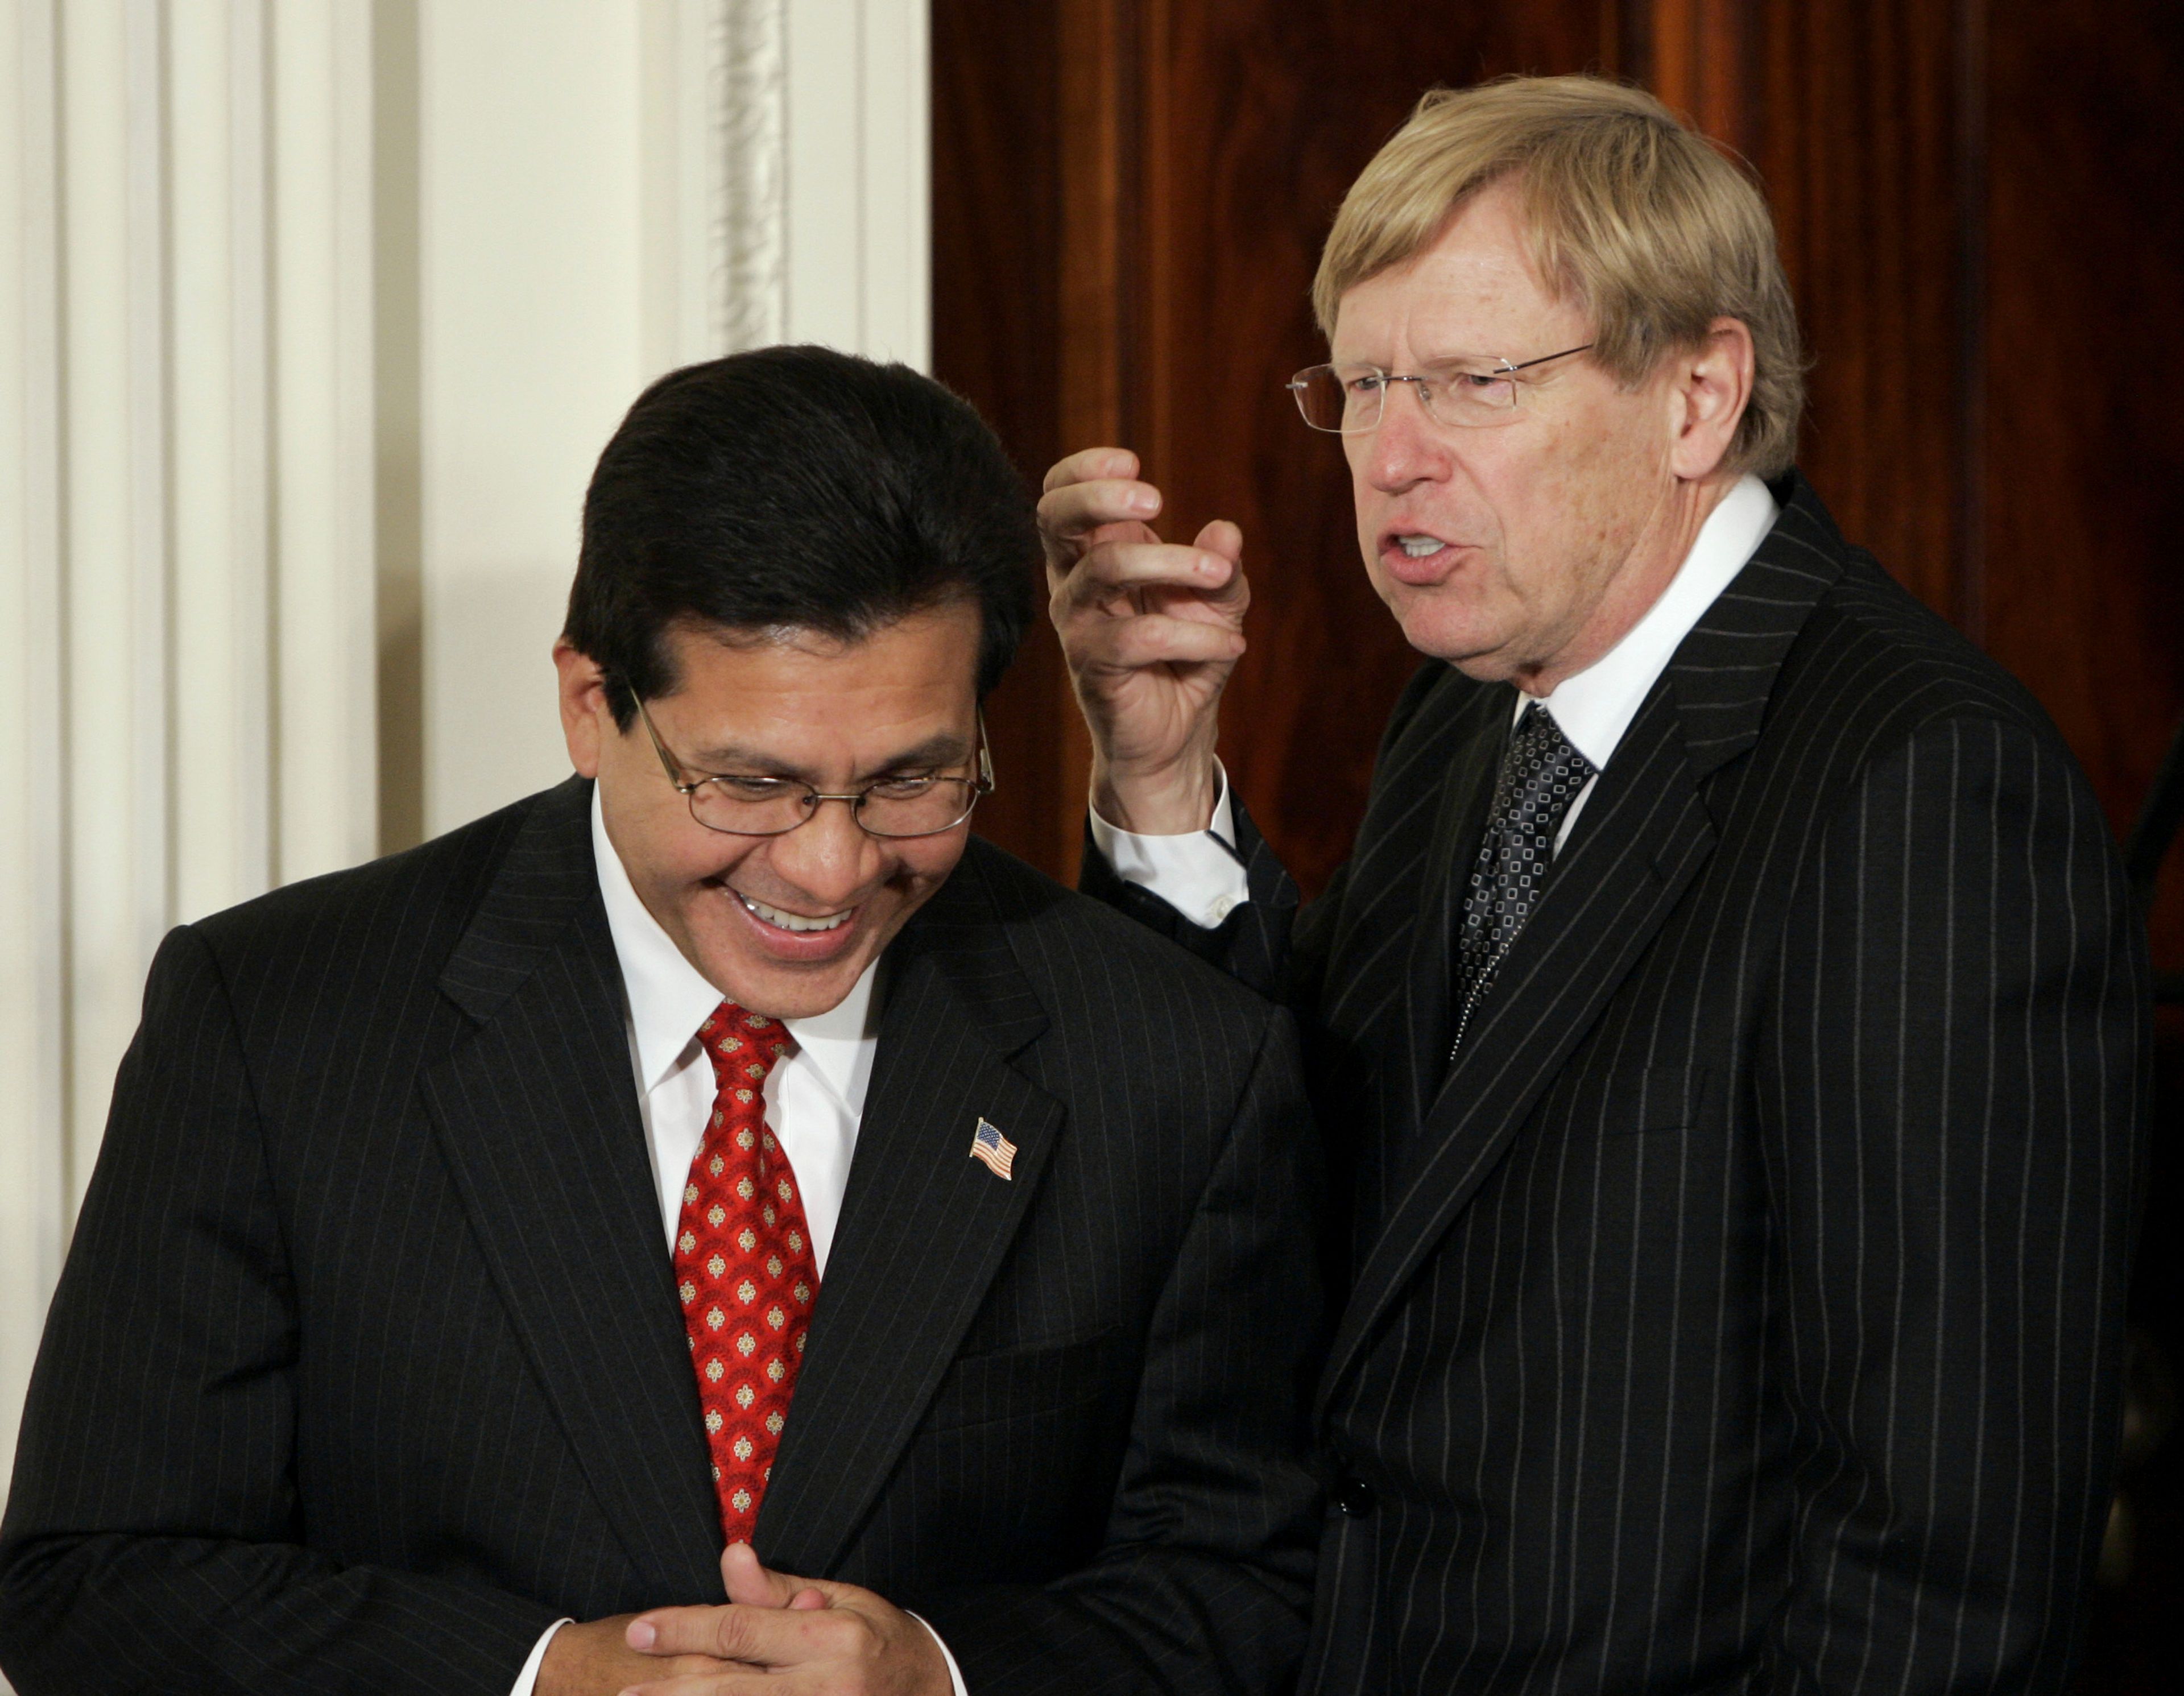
[749, 72]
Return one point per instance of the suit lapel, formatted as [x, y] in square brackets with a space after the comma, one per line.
[538, 1120]
[1420, 1055]
[924, 1227]
[1644, 836]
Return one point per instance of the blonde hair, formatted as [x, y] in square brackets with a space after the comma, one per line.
[1652, 231]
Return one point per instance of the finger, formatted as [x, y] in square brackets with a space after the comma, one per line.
[808, 1597]
[1117, 568]
[715, 1680]
[748, 1581]
[1223, 538]
[1132, 645]
[1074, 512]
[702, 1675]
[764, 1637]
[729, 1633]
[1089, 465]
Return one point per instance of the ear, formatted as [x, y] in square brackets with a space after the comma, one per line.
[1712, 386]
[585, 719]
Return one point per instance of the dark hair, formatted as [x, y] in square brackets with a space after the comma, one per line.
[801, 488]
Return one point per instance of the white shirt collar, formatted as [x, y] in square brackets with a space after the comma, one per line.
[668, 998]
[1595, 706]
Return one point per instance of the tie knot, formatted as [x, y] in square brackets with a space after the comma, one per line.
[744, 1045]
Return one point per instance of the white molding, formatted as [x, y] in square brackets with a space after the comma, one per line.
[157, 306]
[33, 1023]
[323, 632]
[750, 139]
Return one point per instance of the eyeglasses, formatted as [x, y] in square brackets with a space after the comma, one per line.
[892, 807]
[1467, 391]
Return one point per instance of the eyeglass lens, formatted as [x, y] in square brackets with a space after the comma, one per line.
[1350, 398]
[914, 806]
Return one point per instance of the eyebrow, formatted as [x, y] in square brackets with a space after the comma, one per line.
[729, 759]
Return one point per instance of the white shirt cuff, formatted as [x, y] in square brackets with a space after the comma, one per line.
[1197, 873]
[955, 1672]
[527, 1679]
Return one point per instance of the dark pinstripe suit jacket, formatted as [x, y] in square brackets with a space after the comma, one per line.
[367, 1364]
[1742, 1310]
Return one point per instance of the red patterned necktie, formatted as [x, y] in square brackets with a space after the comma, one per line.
[743, 1266]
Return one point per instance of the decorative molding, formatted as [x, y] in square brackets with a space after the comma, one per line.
[750, 303]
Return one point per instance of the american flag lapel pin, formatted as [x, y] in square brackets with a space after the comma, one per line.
[994, 1150]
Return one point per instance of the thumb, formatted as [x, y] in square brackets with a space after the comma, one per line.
[748, 1581]
[1221, 538]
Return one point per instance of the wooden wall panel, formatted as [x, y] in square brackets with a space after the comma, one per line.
[997, 227]
[1182, 162]
[2084, 352]
[1257, 119]
[1129, 200]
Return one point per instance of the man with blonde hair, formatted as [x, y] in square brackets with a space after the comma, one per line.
[1729, 1029]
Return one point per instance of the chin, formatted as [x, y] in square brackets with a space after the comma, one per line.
[784, 990]
[1450, 634]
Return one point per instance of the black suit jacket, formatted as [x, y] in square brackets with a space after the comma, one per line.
[1742, 1309]
[366, 1363]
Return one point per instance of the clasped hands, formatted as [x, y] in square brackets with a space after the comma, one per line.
[779, 1636]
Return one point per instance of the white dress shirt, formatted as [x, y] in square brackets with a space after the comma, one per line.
[815, 1099]
[1198, 873]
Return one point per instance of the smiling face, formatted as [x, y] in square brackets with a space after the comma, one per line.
[1521, 550]
[784, 925]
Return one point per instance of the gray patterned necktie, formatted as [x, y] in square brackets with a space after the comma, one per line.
[1540, 776]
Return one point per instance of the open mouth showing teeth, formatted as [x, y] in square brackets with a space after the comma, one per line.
[1418, 547]
[789, 921]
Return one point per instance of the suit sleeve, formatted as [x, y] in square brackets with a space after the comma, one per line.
[1953, 1085]
[152, 1540]
[1204, 1580]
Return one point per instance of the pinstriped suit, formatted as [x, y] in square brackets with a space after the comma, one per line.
[1742, 1310]
[367, 1362]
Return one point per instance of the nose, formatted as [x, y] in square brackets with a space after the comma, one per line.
[828, 857]
[1406, 447]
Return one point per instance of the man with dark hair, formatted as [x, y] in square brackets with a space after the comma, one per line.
[716, 1187]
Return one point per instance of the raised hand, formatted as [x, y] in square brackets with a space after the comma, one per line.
[1151, 630]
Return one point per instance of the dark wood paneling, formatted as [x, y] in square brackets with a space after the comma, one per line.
[2084, 351]
[1974, 209]
[2084, 354]
[996, 334]
[1129, 198]
[1254, 120]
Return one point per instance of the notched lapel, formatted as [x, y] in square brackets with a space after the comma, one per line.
[1480, 733]
[538, 1118]
[1643, 837]
[924, 1226]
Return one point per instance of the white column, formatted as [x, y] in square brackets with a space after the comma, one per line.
[215, 219]
[324, 729]
[186, 460]
[33, 1012]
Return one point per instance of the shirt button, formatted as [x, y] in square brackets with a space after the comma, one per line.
[1222, 907]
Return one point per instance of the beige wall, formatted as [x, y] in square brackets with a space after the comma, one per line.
[313, 317]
